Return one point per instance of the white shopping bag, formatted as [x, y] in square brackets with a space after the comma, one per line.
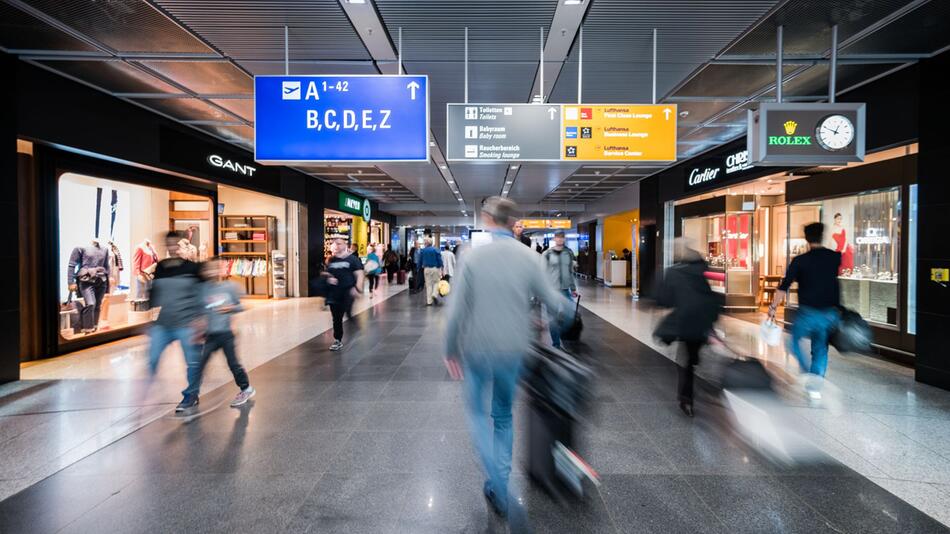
[771, 333]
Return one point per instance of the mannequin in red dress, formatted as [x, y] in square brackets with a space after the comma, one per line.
[842, 245]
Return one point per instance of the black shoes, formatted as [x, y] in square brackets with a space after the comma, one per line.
[687, 408]
[500, 509]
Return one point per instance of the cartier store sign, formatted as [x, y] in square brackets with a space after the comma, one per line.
[709, 172]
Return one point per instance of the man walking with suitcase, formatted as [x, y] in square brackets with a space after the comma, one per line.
[489, 333]
[558, 263]
[816, 272]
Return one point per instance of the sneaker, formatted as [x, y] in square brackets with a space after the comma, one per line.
[243, 396]
[337, 345]
[187, 406]
[499, 508]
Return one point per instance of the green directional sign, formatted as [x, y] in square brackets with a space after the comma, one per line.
[355, 205]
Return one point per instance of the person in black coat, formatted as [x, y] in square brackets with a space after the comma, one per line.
[695, 308]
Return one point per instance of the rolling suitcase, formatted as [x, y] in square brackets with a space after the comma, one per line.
[559, 387]
[400, 276]
[573, 332]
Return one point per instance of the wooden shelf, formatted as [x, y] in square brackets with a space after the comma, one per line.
[243, 229]
[244, 254]
[261, 241]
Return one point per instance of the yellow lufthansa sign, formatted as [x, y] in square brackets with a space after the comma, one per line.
[547, 224]
[619, 132]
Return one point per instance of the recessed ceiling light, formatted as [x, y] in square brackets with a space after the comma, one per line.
[431, 143]
[573, 2]
[514, 166]
[443, 167]
[508, 182]
[450, 181]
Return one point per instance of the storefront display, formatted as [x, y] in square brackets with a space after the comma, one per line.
[108, 249]
[865, 229]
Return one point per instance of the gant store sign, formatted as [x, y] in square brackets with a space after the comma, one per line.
[710, 171]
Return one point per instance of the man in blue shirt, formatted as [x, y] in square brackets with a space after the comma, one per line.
[431, 261]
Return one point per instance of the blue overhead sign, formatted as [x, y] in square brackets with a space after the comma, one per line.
[299, 119]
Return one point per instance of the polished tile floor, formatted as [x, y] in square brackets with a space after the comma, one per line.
[373, 439]
[883, 424]
[65, 408]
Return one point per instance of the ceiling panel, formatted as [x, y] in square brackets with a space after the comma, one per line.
[19, 30]
[261, 67]
[618, 45]
[124, 26]
[254, 29]
[205, 77]
[807, 25]
[188, 109]
[114, 76]
[922, 31]
[499, 30]
[731, 80]
[243, 108]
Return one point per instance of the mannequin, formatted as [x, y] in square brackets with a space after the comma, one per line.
[88, 276]
[840, 237]
[115, 271]
[144, 260]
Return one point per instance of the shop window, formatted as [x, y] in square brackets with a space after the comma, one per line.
[111, 234]
[865, 229]
[912, 263]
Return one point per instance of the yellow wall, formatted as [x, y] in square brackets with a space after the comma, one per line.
[618, 231]
[360, 233]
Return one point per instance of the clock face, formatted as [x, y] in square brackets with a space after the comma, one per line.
[835, 132]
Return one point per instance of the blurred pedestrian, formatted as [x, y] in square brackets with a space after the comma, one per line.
[448, 263]
[390, 263]
[489, 333]
[558, 262]
[431, 261]
[816, 272]
[695, 308]
[518, 231]
[372, 268]
[220, 300]
[345, 281]
[415, 267]
[176, 290]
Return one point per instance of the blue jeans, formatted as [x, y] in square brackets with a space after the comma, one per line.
[817, 325]
[161, 336]
[555, 324]
[493, 445]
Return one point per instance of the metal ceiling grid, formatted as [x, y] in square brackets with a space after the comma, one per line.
[498, 30]
[254, 29]
[190, 109]
[115, 76]
[21, 31]
[618, 38]
[930, 26]
[808, 24]
[109, 23]
[261, 68]
[205, 77]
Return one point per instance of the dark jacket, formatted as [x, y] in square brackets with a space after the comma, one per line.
[695, 305]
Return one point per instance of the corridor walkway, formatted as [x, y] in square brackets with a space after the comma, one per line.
[885, 425]
[65, 408]
[373, 439]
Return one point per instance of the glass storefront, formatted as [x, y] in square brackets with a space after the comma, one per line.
[111, 236]
[726, 242]
[865, 229]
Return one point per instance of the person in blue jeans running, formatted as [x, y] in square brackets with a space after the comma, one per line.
[558, 264]
[816, 272]
[177, 291]
[488, 334]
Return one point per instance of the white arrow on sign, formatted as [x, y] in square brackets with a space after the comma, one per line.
[552, 111]
[412, 89]
[666, 113]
